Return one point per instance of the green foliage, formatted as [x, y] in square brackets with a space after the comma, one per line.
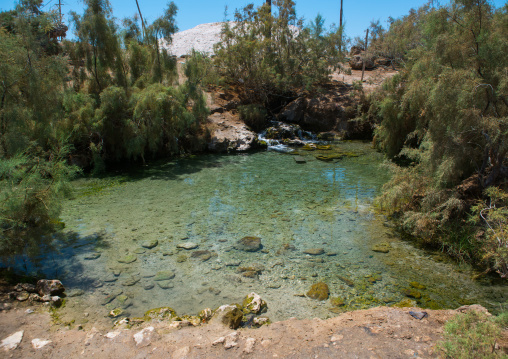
[446, 115]
[472, 335]
[30, 187]
[253, 115]
[268, 54]
[493, 214]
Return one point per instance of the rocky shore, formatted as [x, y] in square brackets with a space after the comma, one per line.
[381, 332]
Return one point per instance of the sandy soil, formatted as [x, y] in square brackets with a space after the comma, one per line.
[374, 333]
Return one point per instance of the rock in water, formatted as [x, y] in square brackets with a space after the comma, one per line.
[319, 291]
[249, 244]
[164, 275]
[150, 244]
[50, 287]
[381, 247]
[314, 251]
[300, 159]
[187, 245]
[128, 259]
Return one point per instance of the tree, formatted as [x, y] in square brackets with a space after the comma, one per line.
[97, 39]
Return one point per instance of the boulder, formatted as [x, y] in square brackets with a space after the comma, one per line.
[319, 291]
[355, 50]
[50, 287]
[25, 287]
[248, 244]
[356, 62]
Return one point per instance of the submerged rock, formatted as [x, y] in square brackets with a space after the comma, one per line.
[300, 159]
[150, 244]
[187, 245]
[248, 244]
[164, 275]
[314, 251]
[203, 255]
[165, 284]
[319, 291]
[128, 259]
[92, 256]
[381, 247]
[115, 313]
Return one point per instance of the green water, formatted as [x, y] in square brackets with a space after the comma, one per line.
[214, 201]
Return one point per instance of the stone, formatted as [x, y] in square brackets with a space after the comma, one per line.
[381, 247]
[417, 285]
[253, 303]
[229, 315]
[148, 286]
[356, 62]
[300, 159]
[150, 244]
[248, 244]
[110, 297]
[50, 287]
[128, 259]
[12, 341]
[129, 282]
[76, 293]
[412, 293]
[319, 291]
[56, 301]
[231, 340]
[203, 255]
[336, 338]
[25, 287]
[112, 335]
[40, 343]
[260, 321]
[187, 245]
[182, 353]
[145, 337]
[162, 313]
[115, 313]
[314, 251]
[206, 314]
[92, 256]
[21, 297]
[140, 251]
[165, 284]
[164, 275]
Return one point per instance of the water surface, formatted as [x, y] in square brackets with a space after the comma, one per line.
[214, 201]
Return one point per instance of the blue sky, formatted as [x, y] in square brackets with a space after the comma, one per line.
[357, 14]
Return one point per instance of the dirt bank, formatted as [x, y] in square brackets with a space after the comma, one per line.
[381, 332]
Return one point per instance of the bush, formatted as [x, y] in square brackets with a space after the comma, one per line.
[254, 116]
[472, 335]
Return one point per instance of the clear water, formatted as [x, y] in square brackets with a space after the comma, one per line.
[213, 201]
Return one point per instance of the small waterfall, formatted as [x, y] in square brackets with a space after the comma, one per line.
[287, 136]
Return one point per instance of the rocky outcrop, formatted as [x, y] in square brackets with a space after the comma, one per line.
[228, 133]
[356, 62]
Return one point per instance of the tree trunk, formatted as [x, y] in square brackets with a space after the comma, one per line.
[142, 22]
[340, 23]
[365, 53]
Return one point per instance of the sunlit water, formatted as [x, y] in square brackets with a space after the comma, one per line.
[214, 201]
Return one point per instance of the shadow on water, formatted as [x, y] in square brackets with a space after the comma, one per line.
[174, 169]
[53, 256]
